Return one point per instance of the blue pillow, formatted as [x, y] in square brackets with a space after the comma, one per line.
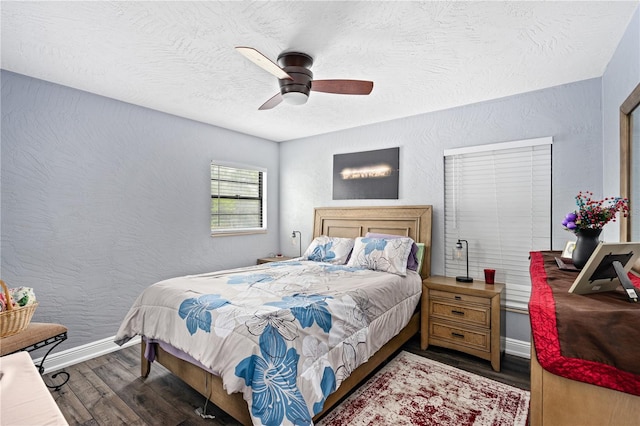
[329, 249]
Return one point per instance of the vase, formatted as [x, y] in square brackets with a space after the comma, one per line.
[588, 240]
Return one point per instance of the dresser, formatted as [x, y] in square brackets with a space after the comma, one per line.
[584, 351]
[463, 316]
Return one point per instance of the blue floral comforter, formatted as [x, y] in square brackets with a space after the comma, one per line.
[285, 334]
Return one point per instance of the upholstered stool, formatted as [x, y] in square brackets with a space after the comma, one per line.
[24, 399]
[36, 336]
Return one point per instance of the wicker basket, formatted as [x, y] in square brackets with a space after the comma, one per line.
[14, 319]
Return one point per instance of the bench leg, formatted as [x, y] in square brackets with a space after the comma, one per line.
[64, 382]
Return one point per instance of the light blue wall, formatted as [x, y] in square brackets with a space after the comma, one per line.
[571, 114]
[101, 198]
[620, 78]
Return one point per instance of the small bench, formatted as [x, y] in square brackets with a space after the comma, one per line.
[36, 336]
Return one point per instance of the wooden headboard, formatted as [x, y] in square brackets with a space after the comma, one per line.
[352, 222]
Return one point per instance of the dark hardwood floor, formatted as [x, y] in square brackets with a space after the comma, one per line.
[108, 390]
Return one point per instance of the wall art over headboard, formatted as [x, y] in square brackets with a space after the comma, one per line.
[366, 175]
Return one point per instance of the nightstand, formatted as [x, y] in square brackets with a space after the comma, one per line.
[273, 259]
[463, 316]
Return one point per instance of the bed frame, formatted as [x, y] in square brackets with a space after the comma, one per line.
[411, 221]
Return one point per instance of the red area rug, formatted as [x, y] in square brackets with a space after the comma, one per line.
[413, 390]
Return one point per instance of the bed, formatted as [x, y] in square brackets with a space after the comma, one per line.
[279, 373]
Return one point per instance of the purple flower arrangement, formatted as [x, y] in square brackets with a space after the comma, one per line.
[592, 214]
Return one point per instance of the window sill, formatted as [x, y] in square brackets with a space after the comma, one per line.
[236, 232]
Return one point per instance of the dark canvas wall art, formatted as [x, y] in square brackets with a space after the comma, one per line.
[366, 175]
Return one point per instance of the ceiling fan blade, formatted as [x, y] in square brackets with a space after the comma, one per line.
[263, 62]
[271, 103]
[343, 87]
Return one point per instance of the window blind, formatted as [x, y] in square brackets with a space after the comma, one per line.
[498, 198]
[237, 198]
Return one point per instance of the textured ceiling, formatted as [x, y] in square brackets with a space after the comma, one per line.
[179, 57]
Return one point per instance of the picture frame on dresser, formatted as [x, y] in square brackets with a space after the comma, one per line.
[607, 269]
[567, 253]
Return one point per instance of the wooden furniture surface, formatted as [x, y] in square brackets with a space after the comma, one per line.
[36, 334]
[463, 316]
[24, 398]
[412, 221]
[272, 259]
[559, 401]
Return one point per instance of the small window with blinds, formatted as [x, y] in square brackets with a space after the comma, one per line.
[238, 199]
[498, 198]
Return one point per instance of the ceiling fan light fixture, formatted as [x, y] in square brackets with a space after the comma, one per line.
[296, 79]
[295, 98]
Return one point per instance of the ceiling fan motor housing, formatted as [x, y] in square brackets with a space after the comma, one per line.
[297, 66]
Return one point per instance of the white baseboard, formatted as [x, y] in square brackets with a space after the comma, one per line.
[59, 360]
[518, 348]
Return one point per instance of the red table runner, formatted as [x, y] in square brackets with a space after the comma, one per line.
[589, 338]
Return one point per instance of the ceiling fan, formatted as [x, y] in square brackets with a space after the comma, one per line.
[296, 80]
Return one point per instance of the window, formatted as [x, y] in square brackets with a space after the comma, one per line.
[498, 198]
[238, 199]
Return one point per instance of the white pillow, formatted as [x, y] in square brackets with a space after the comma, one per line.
[329, 249]
[380, 254]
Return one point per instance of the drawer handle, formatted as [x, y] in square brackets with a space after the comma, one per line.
[457, 312]
[458, 297]
[458, 335]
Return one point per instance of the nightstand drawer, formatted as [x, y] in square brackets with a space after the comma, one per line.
[460, 336]
[457, 297]
[470, 314]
